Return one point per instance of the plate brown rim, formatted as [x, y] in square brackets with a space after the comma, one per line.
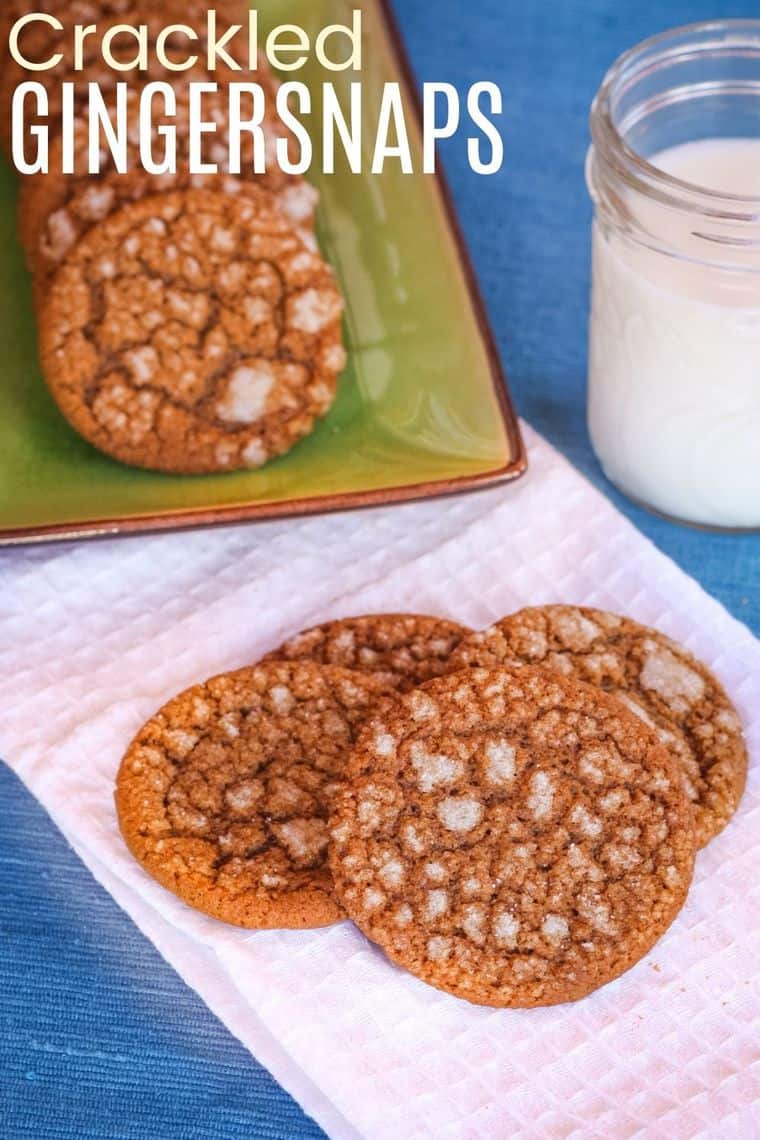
[197, 517]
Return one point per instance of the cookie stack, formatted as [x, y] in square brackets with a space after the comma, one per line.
[512, 816]
[187, 322]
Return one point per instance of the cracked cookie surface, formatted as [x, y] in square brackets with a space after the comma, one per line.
[56, 209]
[193, 332]
[223, 795]
[511, 837]
[403, 649]
[661, 682]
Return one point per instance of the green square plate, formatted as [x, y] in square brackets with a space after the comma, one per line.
[422, 409]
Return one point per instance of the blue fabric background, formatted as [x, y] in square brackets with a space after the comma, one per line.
[98, 1037]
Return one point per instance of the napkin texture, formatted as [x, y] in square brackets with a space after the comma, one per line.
[94, 637]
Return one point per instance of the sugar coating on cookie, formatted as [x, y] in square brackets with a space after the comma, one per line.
[512, 837]
[658, 679]
[223, 795]
[403, 649]
[193, 332]
[56, 209]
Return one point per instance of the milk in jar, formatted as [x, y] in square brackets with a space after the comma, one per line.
[674, 363]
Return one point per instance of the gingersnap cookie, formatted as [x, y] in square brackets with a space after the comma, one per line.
[402, 649]
[39, 42]
[512, 837]
[193, 332]
[661, 682]
[56, 210]
[223, 795]
[38, 39]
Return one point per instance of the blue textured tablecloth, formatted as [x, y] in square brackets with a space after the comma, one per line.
[99, 1038]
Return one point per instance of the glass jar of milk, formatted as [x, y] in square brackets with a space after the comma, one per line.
[674, 370]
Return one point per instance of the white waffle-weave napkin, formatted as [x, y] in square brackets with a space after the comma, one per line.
[94, 637]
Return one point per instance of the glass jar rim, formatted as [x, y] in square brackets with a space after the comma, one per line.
[635, 170]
